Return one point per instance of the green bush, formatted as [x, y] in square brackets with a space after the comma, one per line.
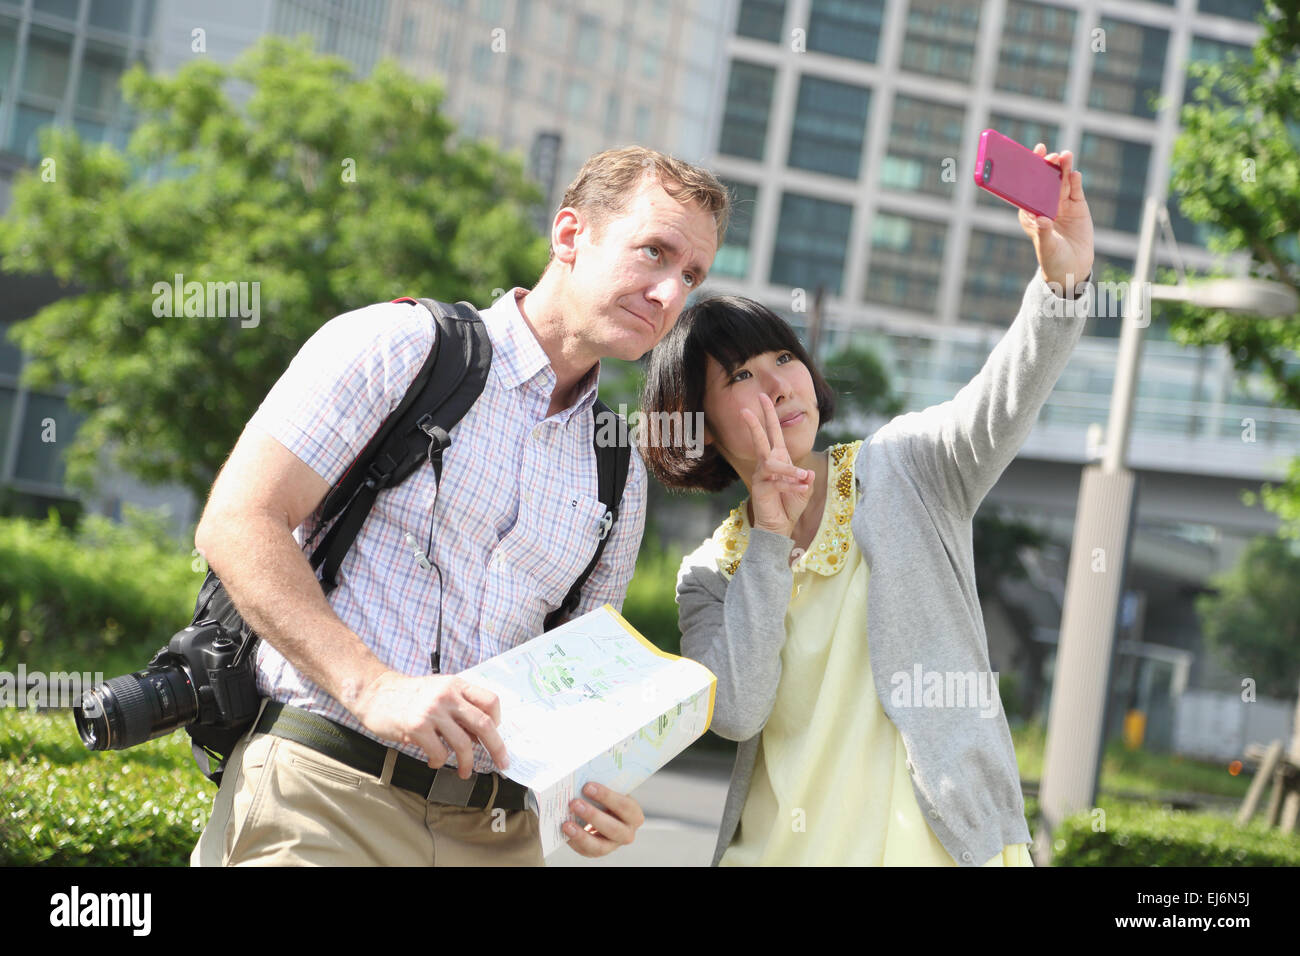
[61, 805]
[1148, 835]
[651, 602]
[104, 597]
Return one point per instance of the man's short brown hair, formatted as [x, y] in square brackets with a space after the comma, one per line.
[608, 180]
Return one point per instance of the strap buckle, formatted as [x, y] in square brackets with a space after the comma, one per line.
[447, 787]
[606, 523]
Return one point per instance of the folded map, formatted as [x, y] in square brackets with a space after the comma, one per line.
[592, 700]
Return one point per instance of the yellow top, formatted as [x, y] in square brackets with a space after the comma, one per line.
[830, 784]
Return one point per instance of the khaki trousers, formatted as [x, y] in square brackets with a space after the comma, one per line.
[283, 804]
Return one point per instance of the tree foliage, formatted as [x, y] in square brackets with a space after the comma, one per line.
[1237, 168]
[328, 190]
[1253, 616]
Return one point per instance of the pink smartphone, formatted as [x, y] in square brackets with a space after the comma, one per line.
[1018, 175]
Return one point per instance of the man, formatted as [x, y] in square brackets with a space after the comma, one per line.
[511, 526]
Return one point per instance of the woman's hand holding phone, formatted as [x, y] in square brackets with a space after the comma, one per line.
[1064, 246]
[779, 491]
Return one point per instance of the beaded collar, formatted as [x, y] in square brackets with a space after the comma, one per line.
[825, 554]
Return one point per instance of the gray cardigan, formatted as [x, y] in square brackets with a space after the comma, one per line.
[919, 480]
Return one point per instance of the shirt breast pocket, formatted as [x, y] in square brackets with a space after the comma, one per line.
[554, 542]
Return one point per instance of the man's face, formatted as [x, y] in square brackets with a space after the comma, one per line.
[632, 273]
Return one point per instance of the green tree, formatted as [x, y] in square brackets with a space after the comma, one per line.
[862, 389]
[328, 190]
[1253, 615]
[1237, 169]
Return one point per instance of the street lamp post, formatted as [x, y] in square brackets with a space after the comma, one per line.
[1100, 548]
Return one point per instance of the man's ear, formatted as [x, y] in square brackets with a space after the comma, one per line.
[565, 229]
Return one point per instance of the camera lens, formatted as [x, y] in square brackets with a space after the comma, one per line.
[988, 169]
[131, 709]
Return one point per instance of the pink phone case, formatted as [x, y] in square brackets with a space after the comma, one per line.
[1014, 173]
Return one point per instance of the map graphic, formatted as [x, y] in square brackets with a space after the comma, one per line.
[592, 700]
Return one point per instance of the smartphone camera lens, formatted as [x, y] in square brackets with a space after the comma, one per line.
[988, 169]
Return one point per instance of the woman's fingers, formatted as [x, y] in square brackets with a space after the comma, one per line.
[762, 448]
[773, 423]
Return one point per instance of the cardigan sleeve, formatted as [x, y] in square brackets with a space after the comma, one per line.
[737, 629]
[958, 449]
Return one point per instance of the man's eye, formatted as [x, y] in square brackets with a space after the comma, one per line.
[653, 250]
[690, 280]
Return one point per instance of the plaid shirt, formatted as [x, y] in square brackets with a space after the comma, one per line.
[515, 521]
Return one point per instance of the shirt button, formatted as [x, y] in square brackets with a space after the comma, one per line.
[935, 814]
[967, 857]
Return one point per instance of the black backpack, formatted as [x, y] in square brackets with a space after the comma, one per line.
[415, 432]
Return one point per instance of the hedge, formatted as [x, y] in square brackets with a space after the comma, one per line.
[61, 805]
[101, 598]
[1148, 835]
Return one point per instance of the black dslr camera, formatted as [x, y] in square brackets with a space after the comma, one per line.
[204, 676]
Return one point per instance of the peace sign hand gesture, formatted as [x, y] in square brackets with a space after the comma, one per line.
[779, 491]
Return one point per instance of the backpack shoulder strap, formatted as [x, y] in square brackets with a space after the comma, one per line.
[612, 461]
[416, 431]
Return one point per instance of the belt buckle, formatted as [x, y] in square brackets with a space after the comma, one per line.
[447, 787]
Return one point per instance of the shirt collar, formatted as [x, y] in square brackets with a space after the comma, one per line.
[520, 361]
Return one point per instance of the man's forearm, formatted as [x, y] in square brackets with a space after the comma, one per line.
[272, 585]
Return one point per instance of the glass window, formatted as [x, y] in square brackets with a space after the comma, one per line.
[98, 87]
[749, 101]
[811, 240]
[48, 57]
[1111, 275]
[40, 460]
[1237, 9]
[491, 9]
[733, 258]
[11, 357]
[1126, 78]
[60, 8]
[523, 14]
[515, 72]
[906, 262]
[481, 62]
[651, 55]
[577, 96]
[1028, 133]
[846, 27]
[25, 139]
[998, 267]
[8, 48]
[1117, 175]
[940, 38]
[924, 144]
[1205, 50]
[641, 124]
[761, 19]
[830, 123]
[613, 106]
[8, 398]
[111, 15]
[588, 47]
[1034, 51]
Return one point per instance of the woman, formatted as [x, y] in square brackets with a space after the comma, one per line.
[884, 747]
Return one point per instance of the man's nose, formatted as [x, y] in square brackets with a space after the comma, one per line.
[667, 292]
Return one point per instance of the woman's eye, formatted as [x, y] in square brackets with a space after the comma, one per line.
[784, 357]
[738, 376]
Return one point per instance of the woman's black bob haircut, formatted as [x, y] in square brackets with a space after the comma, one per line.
[733, 330]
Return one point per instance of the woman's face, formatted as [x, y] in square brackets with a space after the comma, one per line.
[785, 380]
